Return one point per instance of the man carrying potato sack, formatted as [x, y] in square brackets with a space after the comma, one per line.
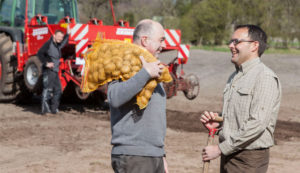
[138, 134]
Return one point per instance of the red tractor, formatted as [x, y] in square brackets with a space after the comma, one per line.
[25, 25]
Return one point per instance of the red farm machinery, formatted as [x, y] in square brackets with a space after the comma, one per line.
[25, 25]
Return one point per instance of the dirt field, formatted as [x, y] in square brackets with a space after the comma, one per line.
[79, 139]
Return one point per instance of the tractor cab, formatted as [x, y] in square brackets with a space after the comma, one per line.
[12, 12]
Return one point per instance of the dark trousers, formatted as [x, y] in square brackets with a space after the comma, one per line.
[246, 161]
[137, 164]
[51, 91]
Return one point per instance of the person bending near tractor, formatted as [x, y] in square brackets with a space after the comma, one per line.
[251, 103]
[138, 135]
[50, 54]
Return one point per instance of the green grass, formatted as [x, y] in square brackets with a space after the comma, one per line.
[268, 51]
[283, 51]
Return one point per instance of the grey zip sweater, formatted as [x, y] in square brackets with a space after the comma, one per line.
[134, 131]
[51, 52]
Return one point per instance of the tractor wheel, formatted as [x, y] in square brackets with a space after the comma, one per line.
[80, 94]
[7, 91]
[193, 87]
[33, 74]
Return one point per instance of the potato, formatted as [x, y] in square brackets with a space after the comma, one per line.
[127, 52]
[166, 77]
[106, 61]
[144, 101]
[151, 84]
[135, 68]
[116, 73]
[104, 47]
[117, 59]
[91, 85]
[109, 68]
[137, 52]
[126, 76]
[128, 57]
[102, 76]
[95, 76]
[125, 69]
[147, 94]
[134, 61]
[119, 65]
[126, 63]
[90, 76]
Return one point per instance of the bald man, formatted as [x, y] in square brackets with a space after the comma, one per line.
[138, 135]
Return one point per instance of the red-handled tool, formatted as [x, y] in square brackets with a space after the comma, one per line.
[210, 141]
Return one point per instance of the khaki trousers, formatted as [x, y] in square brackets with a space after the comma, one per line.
[246, 161]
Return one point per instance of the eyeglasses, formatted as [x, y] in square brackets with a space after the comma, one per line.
[237, 41]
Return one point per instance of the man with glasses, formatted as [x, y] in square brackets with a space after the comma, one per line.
[251, 103]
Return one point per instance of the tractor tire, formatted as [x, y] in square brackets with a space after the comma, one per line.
[33, 75]
[7, 78]
[193, 87]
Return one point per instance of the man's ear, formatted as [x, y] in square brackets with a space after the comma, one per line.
[255, 46]
[144, 41]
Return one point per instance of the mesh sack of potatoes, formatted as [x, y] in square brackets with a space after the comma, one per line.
[109, 60]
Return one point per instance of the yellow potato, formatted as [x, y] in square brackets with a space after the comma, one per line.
[115, 52]
[142, 92]
[95, 76]
[147, 94]
[103, 47]
[127, 57]
[95, 67]
[91, 85]
[119, 65]
[125, 69]
[116, 73]
[134, 61]
[135, 68]
[127, 63]
[165, 76]
[151, 84]
[99, 61]
[128, 51]
[106, 61]
[109, 68]
[107, 54]
[102, 74]
[144, 101]
[126, 76]
[137, 51]
[117, 59]
[90, 76]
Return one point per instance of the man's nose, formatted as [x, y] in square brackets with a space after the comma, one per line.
[231, 45]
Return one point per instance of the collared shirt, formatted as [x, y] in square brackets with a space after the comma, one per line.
[251, 103]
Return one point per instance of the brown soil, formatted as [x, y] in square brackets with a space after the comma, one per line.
[189, 122]
[78, 140]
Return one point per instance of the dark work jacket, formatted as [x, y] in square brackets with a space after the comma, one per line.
[51, 52]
